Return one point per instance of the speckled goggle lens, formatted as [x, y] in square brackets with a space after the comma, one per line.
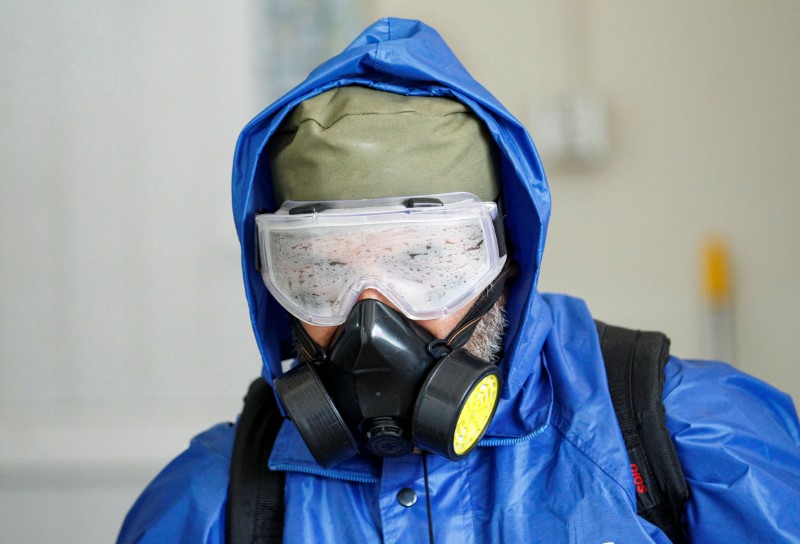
[427, 267]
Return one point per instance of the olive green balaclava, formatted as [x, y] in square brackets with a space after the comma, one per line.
[354, 142]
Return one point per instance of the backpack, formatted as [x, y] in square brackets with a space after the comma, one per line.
[634, 362]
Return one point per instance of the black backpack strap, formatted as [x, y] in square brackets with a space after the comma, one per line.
[635, 368]
[255, 508]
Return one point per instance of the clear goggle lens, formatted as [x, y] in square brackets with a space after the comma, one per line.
[428, 261]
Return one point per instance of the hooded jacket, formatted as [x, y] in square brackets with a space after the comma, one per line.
[552, 467]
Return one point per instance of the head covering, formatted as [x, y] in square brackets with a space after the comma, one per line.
[410, 59]
[354, 142]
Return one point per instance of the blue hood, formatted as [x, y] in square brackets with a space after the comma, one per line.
[406, 57]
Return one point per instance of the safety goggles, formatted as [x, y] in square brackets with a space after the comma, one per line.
[428, 255]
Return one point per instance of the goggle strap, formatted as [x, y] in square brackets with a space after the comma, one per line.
[257, 240]
[463, 331]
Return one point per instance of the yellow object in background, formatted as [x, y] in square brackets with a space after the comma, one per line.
[717, 289]
[716, 271]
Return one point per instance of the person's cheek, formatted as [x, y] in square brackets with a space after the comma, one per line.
[321, 335]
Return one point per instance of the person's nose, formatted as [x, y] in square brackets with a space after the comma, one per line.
[374, 294]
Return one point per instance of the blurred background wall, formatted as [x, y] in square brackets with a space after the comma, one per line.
[123, 323]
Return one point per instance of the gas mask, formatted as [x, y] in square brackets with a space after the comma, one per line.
[385, 384]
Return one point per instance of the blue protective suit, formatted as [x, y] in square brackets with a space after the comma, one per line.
[552, 466]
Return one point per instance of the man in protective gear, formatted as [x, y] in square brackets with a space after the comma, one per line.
[392, 216]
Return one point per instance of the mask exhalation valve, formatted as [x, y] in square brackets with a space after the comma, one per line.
[385, 438]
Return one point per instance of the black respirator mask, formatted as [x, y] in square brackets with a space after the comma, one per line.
[387, 385]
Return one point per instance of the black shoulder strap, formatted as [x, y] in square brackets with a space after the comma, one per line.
[635, 368]
[255, 494]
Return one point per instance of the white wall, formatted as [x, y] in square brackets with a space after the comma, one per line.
[123, 324]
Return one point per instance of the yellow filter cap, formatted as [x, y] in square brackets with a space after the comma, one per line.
[475, 414]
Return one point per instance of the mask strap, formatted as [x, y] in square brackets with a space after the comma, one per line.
[463, 331]
[309, 350]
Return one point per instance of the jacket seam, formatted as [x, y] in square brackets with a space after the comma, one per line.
[577, 443]
[378, 45]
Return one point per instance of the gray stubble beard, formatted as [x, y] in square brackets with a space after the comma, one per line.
[486, 342]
